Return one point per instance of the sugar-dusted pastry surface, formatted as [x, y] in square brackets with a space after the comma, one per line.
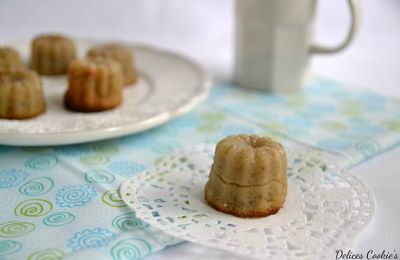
[9, 59]
[94, 85]
[121, 54]
[52, 53]
[248, 177]
[21, 94]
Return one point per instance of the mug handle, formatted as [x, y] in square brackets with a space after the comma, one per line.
[354, 6]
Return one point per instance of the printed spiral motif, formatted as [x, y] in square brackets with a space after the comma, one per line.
[392, 125]
[33, 208]
[91, 238]
[131, 248]
[15, 228]
[128, 221]
[94, 159]
[75, 196]
[42, 162]
[125, 168]
[368, 147]
[8, 247]
[59, 219]
[47, 254]
[105, 148]
[72, 150]
[11, 178]
[113, 199]
[99, 176]
[37, 186]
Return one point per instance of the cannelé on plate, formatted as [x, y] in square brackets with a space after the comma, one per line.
[94, 84]
[52, 53]
[21, 94]
[9, 59]
[120, 53]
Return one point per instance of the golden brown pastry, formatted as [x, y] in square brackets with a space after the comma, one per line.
[21, 94]
[51, 54]
[248, 177]
[9, 59]
[121, 54]
[94, 85]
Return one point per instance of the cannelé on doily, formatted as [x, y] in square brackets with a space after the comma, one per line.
[248, 177]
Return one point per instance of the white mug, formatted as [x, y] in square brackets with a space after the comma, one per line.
[273, 42]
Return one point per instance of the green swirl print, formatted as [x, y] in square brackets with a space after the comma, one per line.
[33, 208]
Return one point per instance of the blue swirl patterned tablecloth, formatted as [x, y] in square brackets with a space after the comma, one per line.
[63, 202]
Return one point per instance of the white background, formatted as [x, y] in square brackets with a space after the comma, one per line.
[203, 30]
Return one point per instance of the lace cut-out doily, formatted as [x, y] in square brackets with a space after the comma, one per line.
[325, 209]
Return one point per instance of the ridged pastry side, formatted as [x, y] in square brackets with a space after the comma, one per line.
[9, 59]
[21, 95]
[245, 201]
[248, 177]
[51, 54]
[121, 54]
[249, 160]
[94, 85]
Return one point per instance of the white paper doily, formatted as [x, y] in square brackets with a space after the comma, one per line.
[325, 209]
[169, 85]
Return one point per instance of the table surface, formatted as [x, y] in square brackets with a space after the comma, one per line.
[203, 30]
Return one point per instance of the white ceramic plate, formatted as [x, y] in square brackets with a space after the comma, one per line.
[170, 85]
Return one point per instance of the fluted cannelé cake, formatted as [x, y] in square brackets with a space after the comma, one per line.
[94, 85]
[21, 94]
[9, 59]
[119, 53]
[248, 177]
[51, 54]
